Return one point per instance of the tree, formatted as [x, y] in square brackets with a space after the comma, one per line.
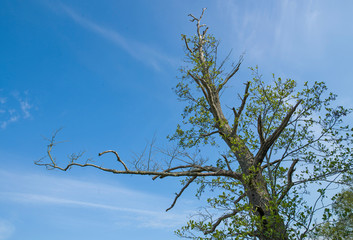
[340, 227]
[278, 141]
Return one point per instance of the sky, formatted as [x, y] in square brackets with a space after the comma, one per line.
[103, 71]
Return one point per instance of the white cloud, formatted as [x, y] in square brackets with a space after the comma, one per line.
[6, 229]
[138, 50]
[285, 30]
[14, 107]
[132, 216]
[25, 107]
[12, 119]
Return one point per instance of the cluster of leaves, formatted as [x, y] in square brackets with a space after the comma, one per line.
[338, 220]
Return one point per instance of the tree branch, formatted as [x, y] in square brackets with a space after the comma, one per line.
[117, 157]
[268, 142]
[187, 45]
[204, 87]
[227, 162]
[175, 168]
[219, 220]
[194, 170]
[260, 130]
[181, 191]
[231, 74]
[289, 180]
[241, 108]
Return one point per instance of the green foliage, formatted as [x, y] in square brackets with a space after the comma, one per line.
[315, 136]
[338, 221]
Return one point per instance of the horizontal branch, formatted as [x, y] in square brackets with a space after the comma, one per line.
[323, 177]
[204, 172]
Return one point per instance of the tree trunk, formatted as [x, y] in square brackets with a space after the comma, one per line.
[271, 225]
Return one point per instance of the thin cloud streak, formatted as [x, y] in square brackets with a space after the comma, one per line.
[140, 51]
[40, 199]
[141, 218]
[42, 191]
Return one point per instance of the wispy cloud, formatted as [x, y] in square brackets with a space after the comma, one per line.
[13, 107]
[6, 229]
[276, 30]
[5, 123]
[68, 193]
[137, 217]
[138, 50]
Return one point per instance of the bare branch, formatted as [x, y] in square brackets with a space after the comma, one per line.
[241, 108]
[175, 168]
[194, 170]
[268, 142]
[205, 171]
[117, 157]
[231, 74]
[181, 191]
[207, 135]
[227, 162]
[204, 32]
[187, 45]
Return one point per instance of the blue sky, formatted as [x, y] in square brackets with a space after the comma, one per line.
[104, 71]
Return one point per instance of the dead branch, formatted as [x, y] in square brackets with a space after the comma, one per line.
[231, 74]
[181, 191]
[241, 108]
[175, 168]
[268, 142]
[193, 170]
[187, 45]
[117, 157]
